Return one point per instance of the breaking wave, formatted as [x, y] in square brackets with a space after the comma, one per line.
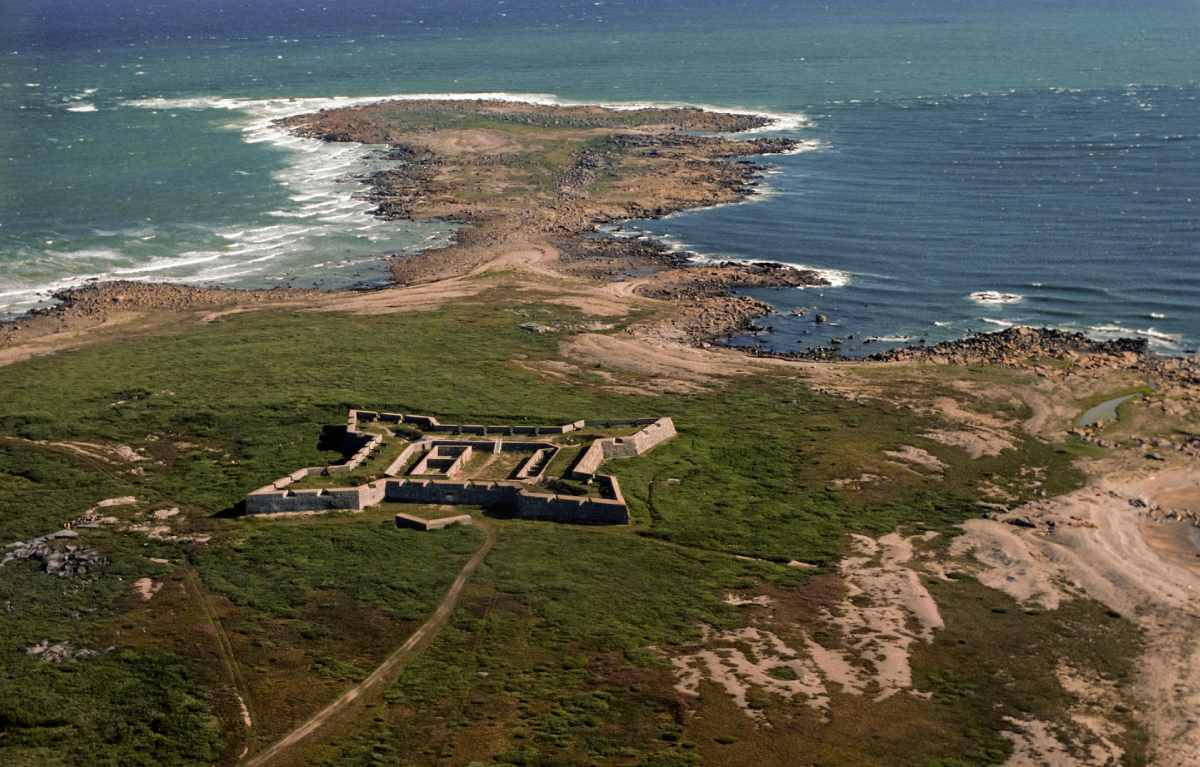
[995, 298]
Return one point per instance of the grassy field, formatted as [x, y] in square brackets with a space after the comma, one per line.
[558, 653]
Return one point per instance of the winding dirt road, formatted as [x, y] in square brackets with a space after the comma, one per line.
[387, 671]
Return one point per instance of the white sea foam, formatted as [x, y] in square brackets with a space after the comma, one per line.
[96, 254]
[802, 147]
[995, 298]
[190, 258]
[998, 323]
[1157, 316]
[319, 172]
[274, 109]
[835, 277]
[1155, 337]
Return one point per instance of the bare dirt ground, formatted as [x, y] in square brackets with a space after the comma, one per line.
[664, 366]
[1097, 542]
[885, 611]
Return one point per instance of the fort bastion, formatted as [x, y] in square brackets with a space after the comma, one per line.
[453, 464]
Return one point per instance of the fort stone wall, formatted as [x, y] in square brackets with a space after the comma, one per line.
[572, 508]
[653, 433]
[589, 461]
[535, 466]
[608, 508]
[323, 499]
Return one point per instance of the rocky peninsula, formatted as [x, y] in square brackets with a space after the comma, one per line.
[918, 558]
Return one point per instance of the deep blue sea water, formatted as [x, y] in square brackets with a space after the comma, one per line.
[971, 163]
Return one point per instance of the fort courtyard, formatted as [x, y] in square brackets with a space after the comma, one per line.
[531, 472]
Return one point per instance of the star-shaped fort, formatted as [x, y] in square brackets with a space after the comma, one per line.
[531, 472]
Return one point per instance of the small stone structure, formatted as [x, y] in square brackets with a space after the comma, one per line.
[412, 522]
[439, 463]
[444, 459]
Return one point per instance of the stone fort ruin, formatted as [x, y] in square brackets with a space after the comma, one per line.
[531, 472]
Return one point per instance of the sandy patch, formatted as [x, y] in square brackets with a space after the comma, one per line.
[662, 367]
[246, 720]
[422, 297]
[471, 141]
[748, 658]
[110, 454]
[146, 588]
[974, 442]
[980, 434]
[222, 313]
[595, 304]
[918, 457]
[1091, 542]
[886, 610]
[954, 411]
[522, 255]
[739, 601]
[1093, 699]
[856, 483]
[1036, 745]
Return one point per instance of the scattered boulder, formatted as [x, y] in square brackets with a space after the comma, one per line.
[67, 560]
[1020, 522]
[61, 652]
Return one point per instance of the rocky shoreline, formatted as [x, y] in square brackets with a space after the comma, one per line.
[546, 178]
[1017, 344]
[622, 165]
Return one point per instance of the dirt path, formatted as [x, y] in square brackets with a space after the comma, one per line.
[193, 584]
[386, 672]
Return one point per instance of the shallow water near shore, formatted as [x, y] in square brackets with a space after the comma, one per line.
[967, 167]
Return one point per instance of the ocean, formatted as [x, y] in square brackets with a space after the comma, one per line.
[968, 165]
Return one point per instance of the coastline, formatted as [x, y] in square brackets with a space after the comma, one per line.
[262, 122]
[641, 319]
[686, 276]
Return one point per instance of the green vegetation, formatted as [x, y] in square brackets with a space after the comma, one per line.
[998, 660]
[557, 655]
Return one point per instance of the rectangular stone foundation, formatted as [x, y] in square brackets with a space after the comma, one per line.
[410, 522]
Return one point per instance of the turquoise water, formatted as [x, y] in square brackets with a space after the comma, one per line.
[1041, 157]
